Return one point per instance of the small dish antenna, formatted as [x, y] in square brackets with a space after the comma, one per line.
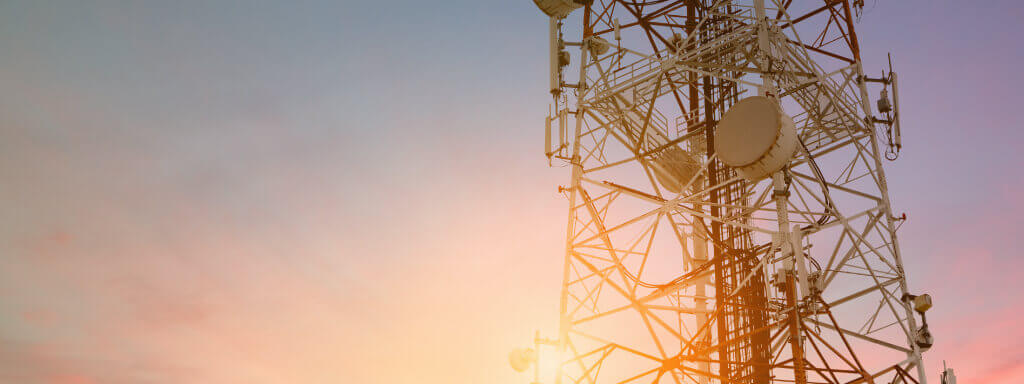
[558, 8]
[521, 358]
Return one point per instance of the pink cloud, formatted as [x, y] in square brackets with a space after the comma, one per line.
[1010, 372]
[40, 317]
[70, 379]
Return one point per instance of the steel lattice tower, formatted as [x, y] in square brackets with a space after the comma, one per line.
[714, 277]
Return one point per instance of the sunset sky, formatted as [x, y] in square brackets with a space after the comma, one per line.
[355, 191]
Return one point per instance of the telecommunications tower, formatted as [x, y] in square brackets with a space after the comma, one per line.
[729, 219]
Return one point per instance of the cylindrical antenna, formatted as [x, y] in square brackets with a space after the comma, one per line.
[896, 111]
[553, 51]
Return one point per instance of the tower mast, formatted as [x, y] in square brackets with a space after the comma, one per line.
[729, 219]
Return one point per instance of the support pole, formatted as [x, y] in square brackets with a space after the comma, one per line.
[785, 242]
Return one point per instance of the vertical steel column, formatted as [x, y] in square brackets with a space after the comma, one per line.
[574, 190]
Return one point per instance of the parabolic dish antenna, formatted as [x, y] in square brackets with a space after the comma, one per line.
[755, 137]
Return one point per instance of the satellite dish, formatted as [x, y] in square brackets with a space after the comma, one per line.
[674, 168]
[521, 358]
[756, 138]
[558, 8]
[599, 46]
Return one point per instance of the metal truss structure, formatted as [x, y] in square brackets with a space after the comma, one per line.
[796, 277]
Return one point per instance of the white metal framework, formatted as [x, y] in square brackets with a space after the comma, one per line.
[677, 270]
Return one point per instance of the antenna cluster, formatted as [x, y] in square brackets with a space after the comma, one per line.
[729, 216]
